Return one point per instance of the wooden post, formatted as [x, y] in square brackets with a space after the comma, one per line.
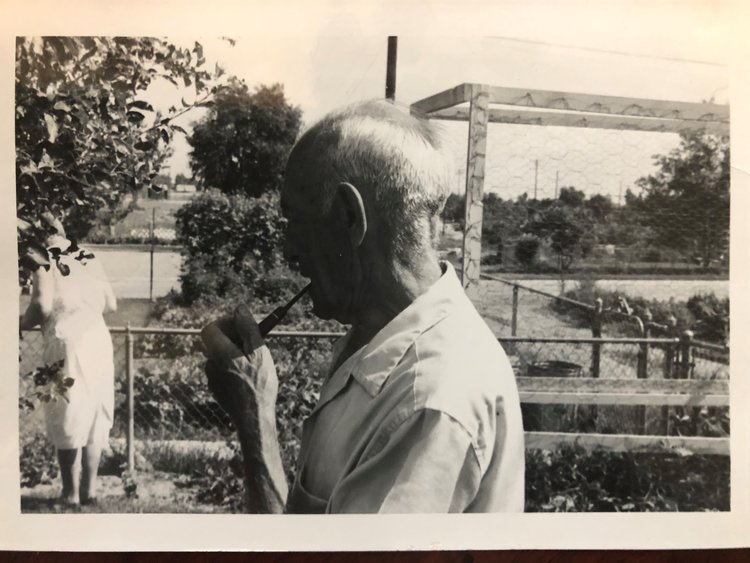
[129, 369]
[514, 313]
[596, 332]
[472, 247]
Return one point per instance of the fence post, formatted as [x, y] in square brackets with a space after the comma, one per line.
[669, 350]
[596, 332]
[514, 314]
[686, 354]
[131, 405]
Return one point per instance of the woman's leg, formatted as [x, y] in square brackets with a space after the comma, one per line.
[70, 471]
[91, 455]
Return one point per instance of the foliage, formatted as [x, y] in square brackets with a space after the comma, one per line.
[565, 225]
[227, 241]
[570, 479]
[705, 314]
[711, 316]
[527, 248]
[686, 202]
[38, 464]
[220, 482]
[130, 484]
[49, 384]
[85, 136]
[453, 212]
[241, 146]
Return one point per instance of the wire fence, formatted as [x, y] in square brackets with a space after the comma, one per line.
[162, 394]
[576, 182]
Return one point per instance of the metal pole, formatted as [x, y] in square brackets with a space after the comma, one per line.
[131, 404]
[151, 267]
[514, 313]
[686, 361]
[390, 72]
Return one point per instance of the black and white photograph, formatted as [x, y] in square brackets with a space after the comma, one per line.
[370, 271]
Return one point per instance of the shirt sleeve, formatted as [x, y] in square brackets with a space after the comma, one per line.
[427, 465]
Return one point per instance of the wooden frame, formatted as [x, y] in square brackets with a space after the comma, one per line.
[550, 108]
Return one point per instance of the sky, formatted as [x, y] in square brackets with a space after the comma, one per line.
[323, 71]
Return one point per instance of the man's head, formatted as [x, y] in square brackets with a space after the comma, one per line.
[363, 193]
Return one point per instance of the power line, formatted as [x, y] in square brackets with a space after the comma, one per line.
[609, 51]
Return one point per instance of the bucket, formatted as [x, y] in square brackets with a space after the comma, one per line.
[550, 418]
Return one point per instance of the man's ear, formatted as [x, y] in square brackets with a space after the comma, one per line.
[351, 209]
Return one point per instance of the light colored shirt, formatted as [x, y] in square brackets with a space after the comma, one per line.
[424, 418]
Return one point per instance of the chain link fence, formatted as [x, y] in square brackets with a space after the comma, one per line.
[602, 200]
[171, 401]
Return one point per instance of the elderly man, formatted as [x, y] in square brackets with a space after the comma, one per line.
[419, 411]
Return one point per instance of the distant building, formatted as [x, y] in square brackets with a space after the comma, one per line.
[185, 188]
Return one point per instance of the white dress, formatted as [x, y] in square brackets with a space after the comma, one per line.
[75, 331]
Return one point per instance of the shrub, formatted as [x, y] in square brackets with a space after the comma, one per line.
[228, 241]
[38, 464]
[706, 315]
[570, 479]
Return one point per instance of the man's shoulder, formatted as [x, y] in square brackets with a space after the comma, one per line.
[461, 369]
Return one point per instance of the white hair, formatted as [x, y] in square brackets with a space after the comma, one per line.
[397, 160]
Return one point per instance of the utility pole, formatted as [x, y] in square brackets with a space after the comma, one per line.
[536, 176]
[390, 72]
[619, 195]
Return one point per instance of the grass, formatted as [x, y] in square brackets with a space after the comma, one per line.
[157, 492]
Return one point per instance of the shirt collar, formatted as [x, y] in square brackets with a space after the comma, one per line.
[374, 362]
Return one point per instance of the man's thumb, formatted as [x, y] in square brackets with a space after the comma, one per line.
[247, 329]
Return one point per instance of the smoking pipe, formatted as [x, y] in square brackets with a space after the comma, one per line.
[268, 324]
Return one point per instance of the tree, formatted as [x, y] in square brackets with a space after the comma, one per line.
[453, 212]
[526, 250]
[571, 197]
[228, 242]
[85, 137]
[241, 146]
[566, 230]
[686, 202]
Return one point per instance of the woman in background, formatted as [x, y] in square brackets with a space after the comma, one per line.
[68, 300]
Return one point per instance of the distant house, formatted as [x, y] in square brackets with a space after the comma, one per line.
[185, 188]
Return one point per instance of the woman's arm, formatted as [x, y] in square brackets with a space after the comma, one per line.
[40, 306]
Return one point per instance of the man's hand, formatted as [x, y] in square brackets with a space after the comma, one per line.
[242, 377]
[241, 373]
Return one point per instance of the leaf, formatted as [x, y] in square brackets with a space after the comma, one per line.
[22, 225]
[51, 123]
[206, 104]
[178, 128]
[61, 106]
[140, 104]
[134, 116]
[144, 145]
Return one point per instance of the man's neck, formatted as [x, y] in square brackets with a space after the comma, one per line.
[397, 288]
